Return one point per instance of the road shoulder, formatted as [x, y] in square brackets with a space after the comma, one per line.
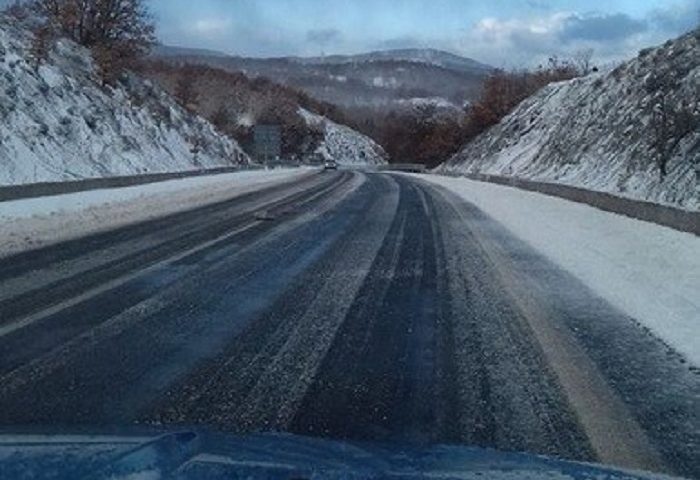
[648, 271]
[34, 223]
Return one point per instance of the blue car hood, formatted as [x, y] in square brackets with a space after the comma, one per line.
[195, 455]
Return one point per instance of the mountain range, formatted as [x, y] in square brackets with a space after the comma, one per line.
[383, 78]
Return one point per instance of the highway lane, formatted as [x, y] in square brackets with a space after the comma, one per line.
[347, 305]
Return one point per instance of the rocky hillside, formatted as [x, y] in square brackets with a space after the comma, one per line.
[235, 103]
[342, 144]
[57, 122]
[633, 131]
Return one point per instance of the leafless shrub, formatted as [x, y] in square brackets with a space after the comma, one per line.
[185, 92]
[583, 61]
[221, 118]
[41, 45]
[117, 31]
[670, 125]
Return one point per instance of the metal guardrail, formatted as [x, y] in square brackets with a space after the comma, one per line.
[33, 190]
[403, 167]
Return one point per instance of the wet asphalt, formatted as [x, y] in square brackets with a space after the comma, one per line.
[346, 305]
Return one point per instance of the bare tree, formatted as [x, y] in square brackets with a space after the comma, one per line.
[670, 125]
[117, 31]
[94, 22]
[583, 61]
[221, 118]
[41, 45]
[185, 92]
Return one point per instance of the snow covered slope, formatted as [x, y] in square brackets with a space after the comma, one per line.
[599, 132]
[429, 56]
[58, 123]
[343, 144]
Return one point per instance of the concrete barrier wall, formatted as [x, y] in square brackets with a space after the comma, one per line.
[676, 218]
[403, 167]
[17, 192]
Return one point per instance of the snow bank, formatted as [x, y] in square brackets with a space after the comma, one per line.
[37, 222]
[343, 144]
[430, 109]
[598, 132]
[650, 272]
[58, 123]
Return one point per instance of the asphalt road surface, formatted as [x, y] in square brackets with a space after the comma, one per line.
[347, 305]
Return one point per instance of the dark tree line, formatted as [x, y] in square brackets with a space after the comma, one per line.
[503, 90]
[430, 139]
[424, 137]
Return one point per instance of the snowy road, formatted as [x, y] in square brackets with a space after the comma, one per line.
[346, 305]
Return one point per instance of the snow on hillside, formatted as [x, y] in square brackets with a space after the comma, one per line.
[343, 144]
[430, 109]
[433, 102]
[427, 56]
[58, 123]
[598, 132]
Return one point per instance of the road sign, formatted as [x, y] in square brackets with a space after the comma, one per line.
[268, 142]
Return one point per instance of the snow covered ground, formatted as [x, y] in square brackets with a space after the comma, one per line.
[343, 144]
[36, 222]
[650, 272]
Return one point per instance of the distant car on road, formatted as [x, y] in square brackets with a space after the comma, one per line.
[330, 165]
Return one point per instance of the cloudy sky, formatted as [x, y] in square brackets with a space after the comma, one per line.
[500, 32]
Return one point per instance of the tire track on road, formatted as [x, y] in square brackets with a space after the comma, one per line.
[392, 312]
[110, 369]
[390, 369]
[259, 382]
[177, 237]
[614, 434]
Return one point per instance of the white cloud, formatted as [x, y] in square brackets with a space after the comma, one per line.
[496, 29]
[211, 26]
[525, 42]
[514, 41]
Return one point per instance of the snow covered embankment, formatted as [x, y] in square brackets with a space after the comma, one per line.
[649, 272]
[599, 132]
[58, 123]
[38, 222]
[343, 144]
